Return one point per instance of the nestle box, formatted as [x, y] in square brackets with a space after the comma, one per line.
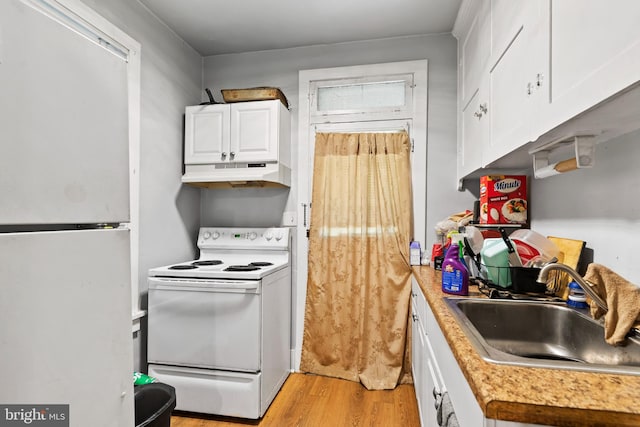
[503, 199]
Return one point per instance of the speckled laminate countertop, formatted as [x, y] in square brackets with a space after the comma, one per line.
[534, 395]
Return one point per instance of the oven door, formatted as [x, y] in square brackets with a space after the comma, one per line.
[208, 323]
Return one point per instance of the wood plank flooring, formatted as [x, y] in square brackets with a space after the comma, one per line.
[311, 400]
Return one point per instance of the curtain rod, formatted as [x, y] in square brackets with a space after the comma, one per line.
[365, 130]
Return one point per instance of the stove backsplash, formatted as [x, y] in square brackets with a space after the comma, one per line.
[243, 207]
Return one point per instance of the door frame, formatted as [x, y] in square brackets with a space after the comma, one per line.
[416, 117]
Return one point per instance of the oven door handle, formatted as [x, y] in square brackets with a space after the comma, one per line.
[211, 285]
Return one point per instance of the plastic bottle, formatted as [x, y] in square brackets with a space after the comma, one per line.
[577, 297]
[455, 277]
[414, 253]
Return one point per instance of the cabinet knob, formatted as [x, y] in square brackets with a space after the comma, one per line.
[478, 114]
[483, 108]
[223, 155]
[415, 317]
[232, 155]
[529, 88]
[539, 78]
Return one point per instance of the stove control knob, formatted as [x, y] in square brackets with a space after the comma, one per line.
[279, 235]
[215, 235]
[206, 235]
[253, 235]
[268, 235]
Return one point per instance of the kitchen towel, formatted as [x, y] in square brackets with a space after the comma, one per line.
[445, 415]
[623, 302]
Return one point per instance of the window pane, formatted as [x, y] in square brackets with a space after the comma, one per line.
[361, 96]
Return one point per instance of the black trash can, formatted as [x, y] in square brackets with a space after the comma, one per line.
[154, 403]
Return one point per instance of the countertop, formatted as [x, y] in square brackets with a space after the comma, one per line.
[533, 395]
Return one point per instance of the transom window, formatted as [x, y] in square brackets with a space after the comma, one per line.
[389, 95]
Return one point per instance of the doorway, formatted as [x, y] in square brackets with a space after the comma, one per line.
[387, 97]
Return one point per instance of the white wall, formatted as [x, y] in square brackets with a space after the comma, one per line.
[171, 77]
[600, 205]
[280, 68]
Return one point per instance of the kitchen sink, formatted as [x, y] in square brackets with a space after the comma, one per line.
[542, 334]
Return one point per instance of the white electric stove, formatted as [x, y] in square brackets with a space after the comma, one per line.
[234, 253]
[219, 326]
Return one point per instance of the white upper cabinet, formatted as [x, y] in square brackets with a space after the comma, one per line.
[515, 74]
[244, 143]
[254, 131]
[594, 52]
[474, 132]
[207, 133]
[237, 133]
[474, 52]
[555, 67]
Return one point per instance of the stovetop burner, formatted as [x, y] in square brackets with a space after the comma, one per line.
[242, 268]
[183, 267]
[207, 262]
[260, 264]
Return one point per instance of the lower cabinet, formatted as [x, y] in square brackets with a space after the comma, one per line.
[464, 403]
[426, 373]
[436, 371]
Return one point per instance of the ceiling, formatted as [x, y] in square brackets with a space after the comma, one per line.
[215, 27]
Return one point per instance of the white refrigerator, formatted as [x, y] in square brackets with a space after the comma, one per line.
[65, 273]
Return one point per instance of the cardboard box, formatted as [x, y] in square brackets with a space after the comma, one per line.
[503, 199]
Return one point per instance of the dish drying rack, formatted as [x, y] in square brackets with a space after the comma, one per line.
[516, 283]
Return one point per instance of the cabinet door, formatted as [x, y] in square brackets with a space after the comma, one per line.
[254, 131]
[473, 135]
[512, 77]
[67, 297]
[595, 52]
[475, 50]
[418, 360]
[434, 384]
[452, 379]
[206, 138]
[64, 157]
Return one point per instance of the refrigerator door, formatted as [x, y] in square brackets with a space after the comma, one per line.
[65, 311]
[64, 156]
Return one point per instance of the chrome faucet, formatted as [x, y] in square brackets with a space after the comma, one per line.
[544, 274]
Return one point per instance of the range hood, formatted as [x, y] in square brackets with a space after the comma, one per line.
[238, 175]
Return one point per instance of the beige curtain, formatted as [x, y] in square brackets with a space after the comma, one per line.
[358, 287]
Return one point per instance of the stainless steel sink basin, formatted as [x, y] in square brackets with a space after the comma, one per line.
[541, 334]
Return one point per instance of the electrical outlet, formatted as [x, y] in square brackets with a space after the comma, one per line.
[289, 219]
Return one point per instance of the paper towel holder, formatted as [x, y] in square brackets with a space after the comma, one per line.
[584, 147]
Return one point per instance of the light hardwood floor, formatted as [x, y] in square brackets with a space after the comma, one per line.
[311, 400]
